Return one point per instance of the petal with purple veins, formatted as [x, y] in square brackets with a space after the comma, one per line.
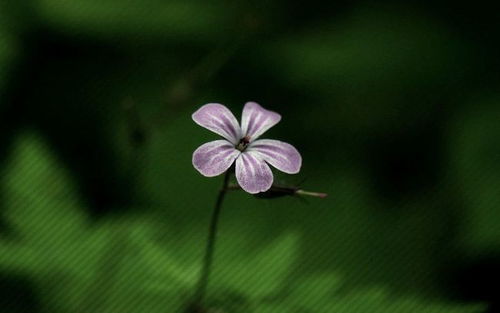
[215, 157]
[279, 154]
[255, 120]
[220, 120]
[252, 173]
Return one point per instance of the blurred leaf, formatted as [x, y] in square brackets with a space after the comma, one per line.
[115, 267]
[79, 268]
[475, 168]
[44, 211]
[118, 266]
[139, 19]
[8, 47]
[377, 300]
[263, 273]
[375, 69]
[314, 289]
[160, 265]
[129, 268]
[43, 205]
[15, 20]
[319, 296]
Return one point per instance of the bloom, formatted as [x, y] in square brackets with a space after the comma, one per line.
[240, 145]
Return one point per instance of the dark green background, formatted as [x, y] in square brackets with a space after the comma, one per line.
[394, 106]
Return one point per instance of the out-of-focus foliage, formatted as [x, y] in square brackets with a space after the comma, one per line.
[116, 266]
[141, 20]
[394, 108]
[317, 295]
[475, 168]
[119, 266]
[8, 45]
[365, 69]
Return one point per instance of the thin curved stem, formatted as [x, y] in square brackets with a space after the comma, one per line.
[210, 248]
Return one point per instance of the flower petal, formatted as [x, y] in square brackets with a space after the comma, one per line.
[279, 154]
[255, 120]
[252, 173]
[215, 157]
[218, 118]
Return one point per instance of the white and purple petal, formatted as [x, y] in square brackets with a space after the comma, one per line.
[218, 118]
[279, 154]
[255, 120]
[252, 173]
[214, 157]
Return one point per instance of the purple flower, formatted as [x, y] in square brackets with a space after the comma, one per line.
[240, 145]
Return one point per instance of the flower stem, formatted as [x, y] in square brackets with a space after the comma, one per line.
[201, 289]
[310, 193]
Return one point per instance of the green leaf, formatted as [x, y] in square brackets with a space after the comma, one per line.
[160, 266]
[475, 171]
[263, 273]
[43, 206]
[372, 60]
[314, 289]
[8, 47]
[129, 268]
[378, 300]
[81, 268]
[139, 19]
[318, 295]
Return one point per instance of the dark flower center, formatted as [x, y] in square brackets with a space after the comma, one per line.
[242, 145]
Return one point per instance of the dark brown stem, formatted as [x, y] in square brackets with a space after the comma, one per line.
[201, 289]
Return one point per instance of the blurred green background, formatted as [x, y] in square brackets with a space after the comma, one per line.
[395, 107]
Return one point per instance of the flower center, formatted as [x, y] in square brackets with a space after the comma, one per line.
[242, 145]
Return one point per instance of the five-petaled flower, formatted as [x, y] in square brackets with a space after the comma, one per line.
[241, 146]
